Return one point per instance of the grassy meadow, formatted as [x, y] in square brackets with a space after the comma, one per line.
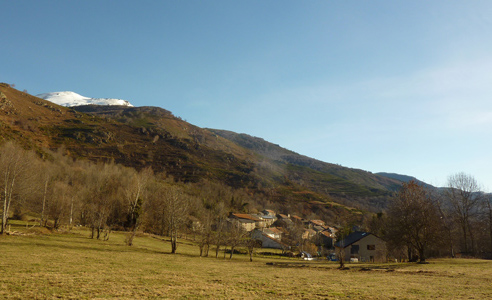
[73, 266]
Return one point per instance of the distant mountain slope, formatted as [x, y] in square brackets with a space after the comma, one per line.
[277, 153]
[70, 99]
[404, 178]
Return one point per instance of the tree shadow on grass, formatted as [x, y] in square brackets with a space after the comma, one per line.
[81, 243]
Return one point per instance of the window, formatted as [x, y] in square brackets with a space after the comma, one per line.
[371, 247]
[354, 249]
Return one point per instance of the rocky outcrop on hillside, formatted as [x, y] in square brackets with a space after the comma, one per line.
[5, 105]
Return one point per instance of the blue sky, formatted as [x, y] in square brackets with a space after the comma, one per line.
[393, 86]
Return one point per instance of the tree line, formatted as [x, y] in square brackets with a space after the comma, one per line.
[57, 190]
[451, 221]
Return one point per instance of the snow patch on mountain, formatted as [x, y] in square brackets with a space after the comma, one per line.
[73, 99]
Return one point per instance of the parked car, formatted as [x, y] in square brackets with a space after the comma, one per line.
[332, 257]
[306, 256]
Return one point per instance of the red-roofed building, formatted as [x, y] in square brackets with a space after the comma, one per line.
[247, 221]
[244, 216]
[296, 219]
[316, 223]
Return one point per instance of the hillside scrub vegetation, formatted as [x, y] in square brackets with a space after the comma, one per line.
[141, 137]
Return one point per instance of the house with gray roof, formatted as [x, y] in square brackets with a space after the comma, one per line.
[362, 246]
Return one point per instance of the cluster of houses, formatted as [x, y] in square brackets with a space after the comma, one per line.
[274, 229]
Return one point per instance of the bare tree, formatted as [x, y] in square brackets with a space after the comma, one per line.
[61, 202]
[236, 235]
[46, 181]
[48, 173]
[251, 244]
[465, 199]
[220, 226]
[14, 172]
[344, 230]
[57, 184]
[414, 219]
[203, 228]
[175, 213]
[134, 192]
[102, 186]
[488, 203]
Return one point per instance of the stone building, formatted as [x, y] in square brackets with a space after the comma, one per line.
[362, 246]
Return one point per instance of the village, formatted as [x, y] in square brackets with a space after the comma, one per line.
[311, 239]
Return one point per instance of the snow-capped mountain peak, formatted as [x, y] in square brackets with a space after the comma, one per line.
[73, 99]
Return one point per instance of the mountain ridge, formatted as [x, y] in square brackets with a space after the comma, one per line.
[151, 136]
[406, 179]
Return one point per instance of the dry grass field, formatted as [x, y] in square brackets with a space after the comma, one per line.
[72, 266]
